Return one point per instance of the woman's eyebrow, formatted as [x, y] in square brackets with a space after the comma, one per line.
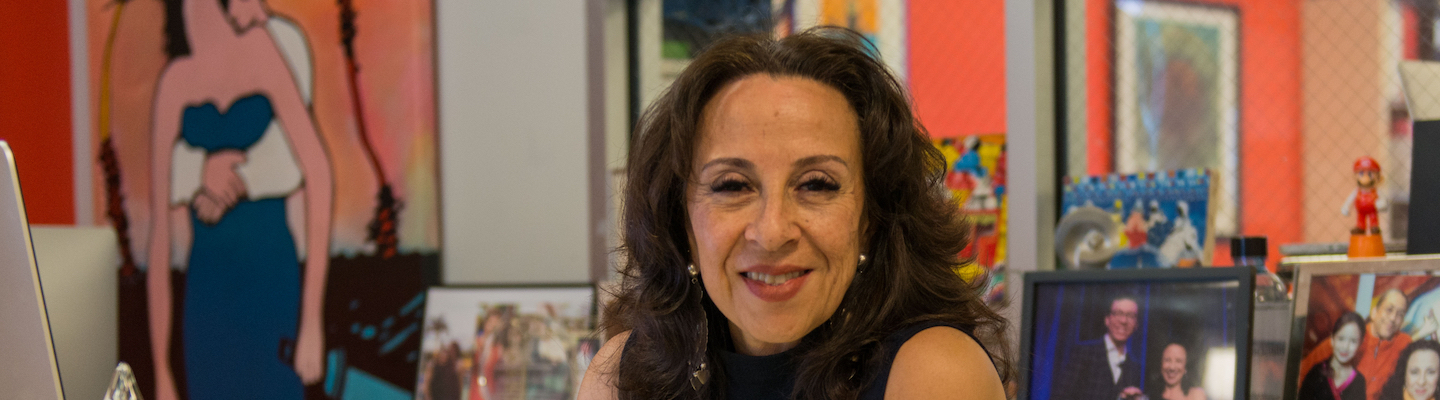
[730, 161]
[817, 159]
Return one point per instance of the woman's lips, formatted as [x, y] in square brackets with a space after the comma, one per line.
[775, 293]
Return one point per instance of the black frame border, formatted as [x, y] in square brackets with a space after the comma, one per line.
[1245, 276]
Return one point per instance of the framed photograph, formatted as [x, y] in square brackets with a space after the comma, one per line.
[1360, 325]
[1177, 94]
[1136, 334]
[506, 342]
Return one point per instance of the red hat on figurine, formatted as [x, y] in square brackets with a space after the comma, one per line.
[1366, 164]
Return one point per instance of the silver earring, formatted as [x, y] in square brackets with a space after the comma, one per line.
[862, 259]
[701, 373]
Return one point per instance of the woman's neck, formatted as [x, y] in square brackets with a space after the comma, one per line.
[1340, 370]
[206, 26]
[751, 346]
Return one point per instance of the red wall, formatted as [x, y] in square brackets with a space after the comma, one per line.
[957, 65]
[1270, 146]
[35, 106]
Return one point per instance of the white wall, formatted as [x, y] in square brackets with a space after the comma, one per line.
[78, 268]
[515, 132]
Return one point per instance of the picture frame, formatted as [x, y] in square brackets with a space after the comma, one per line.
[1176, 89]
[1324, 291]
[513, 341]
[1205, 312]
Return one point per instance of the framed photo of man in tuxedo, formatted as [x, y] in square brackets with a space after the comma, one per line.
[1136, 334]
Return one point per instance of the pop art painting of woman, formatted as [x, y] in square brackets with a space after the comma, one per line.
[246, 302]
[243, 147]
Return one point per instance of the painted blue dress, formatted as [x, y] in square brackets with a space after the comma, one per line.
[242, 290]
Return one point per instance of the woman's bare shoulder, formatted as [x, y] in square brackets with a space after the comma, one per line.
[940, 363]
[599, 382]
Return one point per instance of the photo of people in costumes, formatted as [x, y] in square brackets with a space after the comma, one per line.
[506, 343]
[1371, 337]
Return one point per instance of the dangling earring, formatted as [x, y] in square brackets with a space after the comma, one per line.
[860, 266]
[701, 373]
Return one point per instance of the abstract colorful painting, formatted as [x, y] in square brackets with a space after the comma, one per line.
[270, 169]
[1176, 94]
[880, 21]
[976, 178]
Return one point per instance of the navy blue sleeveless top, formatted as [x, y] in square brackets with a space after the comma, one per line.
[773, 376]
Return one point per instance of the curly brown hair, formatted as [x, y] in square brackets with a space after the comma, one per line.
[913, 231]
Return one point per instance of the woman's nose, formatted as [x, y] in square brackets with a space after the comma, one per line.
[774, 226]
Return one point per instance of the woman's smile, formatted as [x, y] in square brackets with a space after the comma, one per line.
[775, 284]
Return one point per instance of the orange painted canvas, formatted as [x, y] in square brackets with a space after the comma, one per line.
[278, 159]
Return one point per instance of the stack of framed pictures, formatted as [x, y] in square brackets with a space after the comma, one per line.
[1361, 330]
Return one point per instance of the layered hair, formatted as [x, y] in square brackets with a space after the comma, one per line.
[913, 231]
[1395, 387]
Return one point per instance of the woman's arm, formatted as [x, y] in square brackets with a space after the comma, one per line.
[319, 192]
[168, 106]
[599, 382]
[943, 363]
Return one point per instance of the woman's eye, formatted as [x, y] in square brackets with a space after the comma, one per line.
[819, 185]
[729, 185]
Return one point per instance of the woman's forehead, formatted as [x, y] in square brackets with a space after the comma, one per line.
[766, 114]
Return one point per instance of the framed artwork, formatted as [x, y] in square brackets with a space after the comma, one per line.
[1363, 324]
[506, 342]
[270, 169]
[975, 179]
[1178, 332]
[1177, 94]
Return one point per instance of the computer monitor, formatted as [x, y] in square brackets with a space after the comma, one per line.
[1422, 96]
[28, 369]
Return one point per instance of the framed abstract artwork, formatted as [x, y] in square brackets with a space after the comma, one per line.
[1176, 94]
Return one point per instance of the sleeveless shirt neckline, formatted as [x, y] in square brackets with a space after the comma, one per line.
[769, 371]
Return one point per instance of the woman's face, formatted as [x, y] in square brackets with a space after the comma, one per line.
[775, 202]
[246, 14]
[1420, 373]
[1345, 342]
[1172, 364]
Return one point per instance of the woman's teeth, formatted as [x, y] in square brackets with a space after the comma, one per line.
[773, 279]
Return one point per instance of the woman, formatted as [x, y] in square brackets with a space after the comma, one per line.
[787, 236]
[490, 345]
[1415, 373]
[1338, 379]
[252, 324]
[1176, 383]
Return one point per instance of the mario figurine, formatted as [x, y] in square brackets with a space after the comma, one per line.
[1364, 201]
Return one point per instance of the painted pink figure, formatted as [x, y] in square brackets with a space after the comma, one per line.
[252, 323]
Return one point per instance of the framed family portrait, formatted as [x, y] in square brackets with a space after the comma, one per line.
[506, 342]
[1365, 330]
[1136, 334]
[1176, 94]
